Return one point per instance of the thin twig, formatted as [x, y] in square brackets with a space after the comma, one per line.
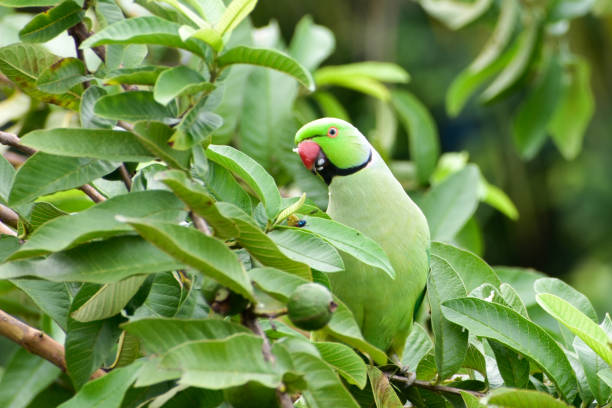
[433, 387]
[92, 193]
[11, 139]
[272, 315]
[249, 319]
[125, 125]
[125, 176]
[9, 216]
[200, 224]
[36, 342]
[80, 34]
[284, 399]
[14, 158]
[4, 230]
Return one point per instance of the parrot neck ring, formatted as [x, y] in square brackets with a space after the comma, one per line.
[328, 170]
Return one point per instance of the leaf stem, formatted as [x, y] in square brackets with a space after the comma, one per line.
[432, 387]
[36, 342]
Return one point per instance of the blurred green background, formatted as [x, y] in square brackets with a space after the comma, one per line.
[565, 224]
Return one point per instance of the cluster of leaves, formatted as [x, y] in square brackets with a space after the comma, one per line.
[528, 44]
[170, 280]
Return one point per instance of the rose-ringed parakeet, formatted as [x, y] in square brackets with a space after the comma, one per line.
[364, 194]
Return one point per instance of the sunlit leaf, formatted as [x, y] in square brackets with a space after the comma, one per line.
[422, 131]
[268, 58]
[251, 172]
[451, 340]
[61, 76]
[51, 23]
[104, 144]
[178, 81]
[501, 323]
[588, 331]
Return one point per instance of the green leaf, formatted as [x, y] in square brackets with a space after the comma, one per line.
[580, 324]
[529, 126]
[155, 137]
[163, 298]
[196, 126]
[348, 364]
[207, 254]
[51, 23]
[302, 246]
[255, 176]
[451, 340]
[233, 15]
[109, 300]
[527, 44]
[513, 369]
[290, 209]
[43, 173]
[268, 58]
[330, 105]
[178, 81]
[7, 174]
[144, 30]
[342, 325]
[104, 144]
[418, 345]
[474, 76]
[515, 398]
[592, 364]
[88, 345]
[512, 299]
[496, 198]
[606, 376]
[53, 298]
[61, 76]
[379, 71]
[88, 118]
[574, 110]
[108, 390]
[508, 327]
[361, 77]
[472, 270]
[24, 377]
[324, 387]
[100, 261]
[471, 401]
[199, 201]
[142, 75]
[159, 335]
[259, 245]
[384, 394]
[311, 43]
[211, 364]
[24, 63]
[133, 106]
[28, 3]
[351, 241]
[561, 289]
[99, 221]
[422, 131]
[455, 14]
[450, 204]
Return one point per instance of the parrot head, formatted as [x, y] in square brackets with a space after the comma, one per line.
[332, 147]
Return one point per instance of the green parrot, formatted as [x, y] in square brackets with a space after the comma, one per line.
[364, 194]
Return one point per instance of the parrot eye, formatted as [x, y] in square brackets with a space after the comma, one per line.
[332, 132]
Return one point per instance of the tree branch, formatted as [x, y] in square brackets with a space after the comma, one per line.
[200, 224]
[432, 387]
[6, 230]
[92, 193]
[125, 176]
[9, 216]
[11, 139]
[36, 342]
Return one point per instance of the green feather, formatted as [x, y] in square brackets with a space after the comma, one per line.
[372, 201]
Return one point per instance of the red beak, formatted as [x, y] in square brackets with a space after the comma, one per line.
[308, 151]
